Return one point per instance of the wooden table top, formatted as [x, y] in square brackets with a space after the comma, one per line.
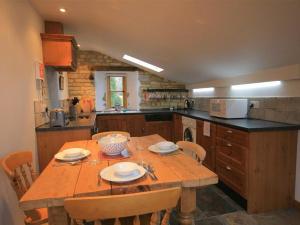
[57, 183]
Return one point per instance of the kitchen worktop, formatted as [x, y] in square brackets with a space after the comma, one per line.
[247, 124]
[242, 124]
[80, 123]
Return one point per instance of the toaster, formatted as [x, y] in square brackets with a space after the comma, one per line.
[58, 118]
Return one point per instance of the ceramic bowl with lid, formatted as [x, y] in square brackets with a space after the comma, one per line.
[113, 144]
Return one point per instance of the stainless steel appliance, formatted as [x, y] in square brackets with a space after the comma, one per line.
[188, 104]
[58, 118]
[229, 108]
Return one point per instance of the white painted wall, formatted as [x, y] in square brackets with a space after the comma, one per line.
[133, 86]
[20, 48]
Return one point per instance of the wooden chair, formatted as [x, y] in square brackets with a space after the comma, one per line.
[192, 149]
[126, 205]
[18, 168]
[103, 134]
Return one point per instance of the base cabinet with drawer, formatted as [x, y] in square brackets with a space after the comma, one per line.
[49, 142]
[136, 125]
[208, 143]
[260, 166]
[178, 128]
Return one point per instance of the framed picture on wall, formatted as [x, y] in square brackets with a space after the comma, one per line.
[61, 83]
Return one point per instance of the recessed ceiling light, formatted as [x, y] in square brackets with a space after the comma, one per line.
[256, 85]
[78, 45]
[63, 10]
[142, 63]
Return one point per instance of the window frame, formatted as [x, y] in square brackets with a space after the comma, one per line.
[109, 91]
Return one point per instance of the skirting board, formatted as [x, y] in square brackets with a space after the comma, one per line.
[297, 204]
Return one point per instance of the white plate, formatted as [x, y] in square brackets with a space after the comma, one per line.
[165, 145]
[61, 155]
[125, 168]
[109, 174]
[154, 148]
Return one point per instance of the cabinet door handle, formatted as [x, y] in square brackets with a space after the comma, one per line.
[229, 145]
[229, 131]
[228, 168]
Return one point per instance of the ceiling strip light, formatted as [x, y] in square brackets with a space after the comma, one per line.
[256, 85]
[198, 90]
[142, 63]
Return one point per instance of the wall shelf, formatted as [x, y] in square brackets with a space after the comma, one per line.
[165, 90]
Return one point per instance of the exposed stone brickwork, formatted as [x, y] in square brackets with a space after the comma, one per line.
[79, 81]
[81, 85]
[148, 81]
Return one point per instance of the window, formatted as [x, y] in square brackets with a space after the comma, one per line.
[116, 91]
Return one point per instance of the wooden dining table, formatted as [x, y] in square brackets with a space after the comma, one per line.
[58, 182]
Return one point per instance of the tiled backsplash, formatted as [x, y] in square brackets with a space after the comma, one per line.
[279, 109]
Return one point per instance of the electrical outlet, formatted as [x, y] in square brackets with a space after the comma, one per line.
[255, 104]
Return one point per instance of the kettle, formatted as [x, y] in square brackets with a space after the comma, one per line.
[188, 104]
[58, 118]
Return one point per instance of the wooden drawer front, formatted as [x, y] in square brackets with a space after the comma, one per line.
[232, 177]
[233, 135]
[232, 153]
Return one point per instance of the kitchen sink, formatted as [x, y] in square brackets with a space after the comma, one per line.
[121, 111]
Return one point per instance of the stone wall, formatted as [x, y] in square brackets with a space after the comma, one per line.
[150, 81]
[80, 83]
[279, 109]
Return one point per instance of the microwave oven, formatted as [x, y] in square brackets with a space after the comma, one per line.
[229, 108]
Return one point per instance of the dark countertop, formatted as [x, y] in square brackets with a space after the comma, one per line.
[242, 124]
[75, 124]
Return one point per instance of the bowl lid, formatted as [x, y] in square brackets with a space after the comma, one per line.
[113, 139]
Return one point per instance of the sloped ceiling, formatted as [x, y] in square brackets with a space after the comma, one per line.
[193, 40]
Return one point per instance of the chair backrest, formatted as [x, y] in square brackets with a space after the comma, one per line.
[117, 206]
[103, 134]
[18, 167]
[193, 149]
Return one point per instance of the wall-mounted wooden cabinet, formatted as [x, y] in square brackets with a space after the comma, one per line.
[60, 51]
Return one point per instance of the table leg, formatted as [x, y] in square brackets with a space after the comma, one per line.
[187, 206]
[58, 216]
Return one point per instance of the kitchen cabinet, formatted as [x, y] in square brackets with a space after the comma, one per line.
[136, 125]
[258, 165]
[111, 123]
[178, 128]
[59, 51]
[163, 128]
[49, 142]
[208, 143]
